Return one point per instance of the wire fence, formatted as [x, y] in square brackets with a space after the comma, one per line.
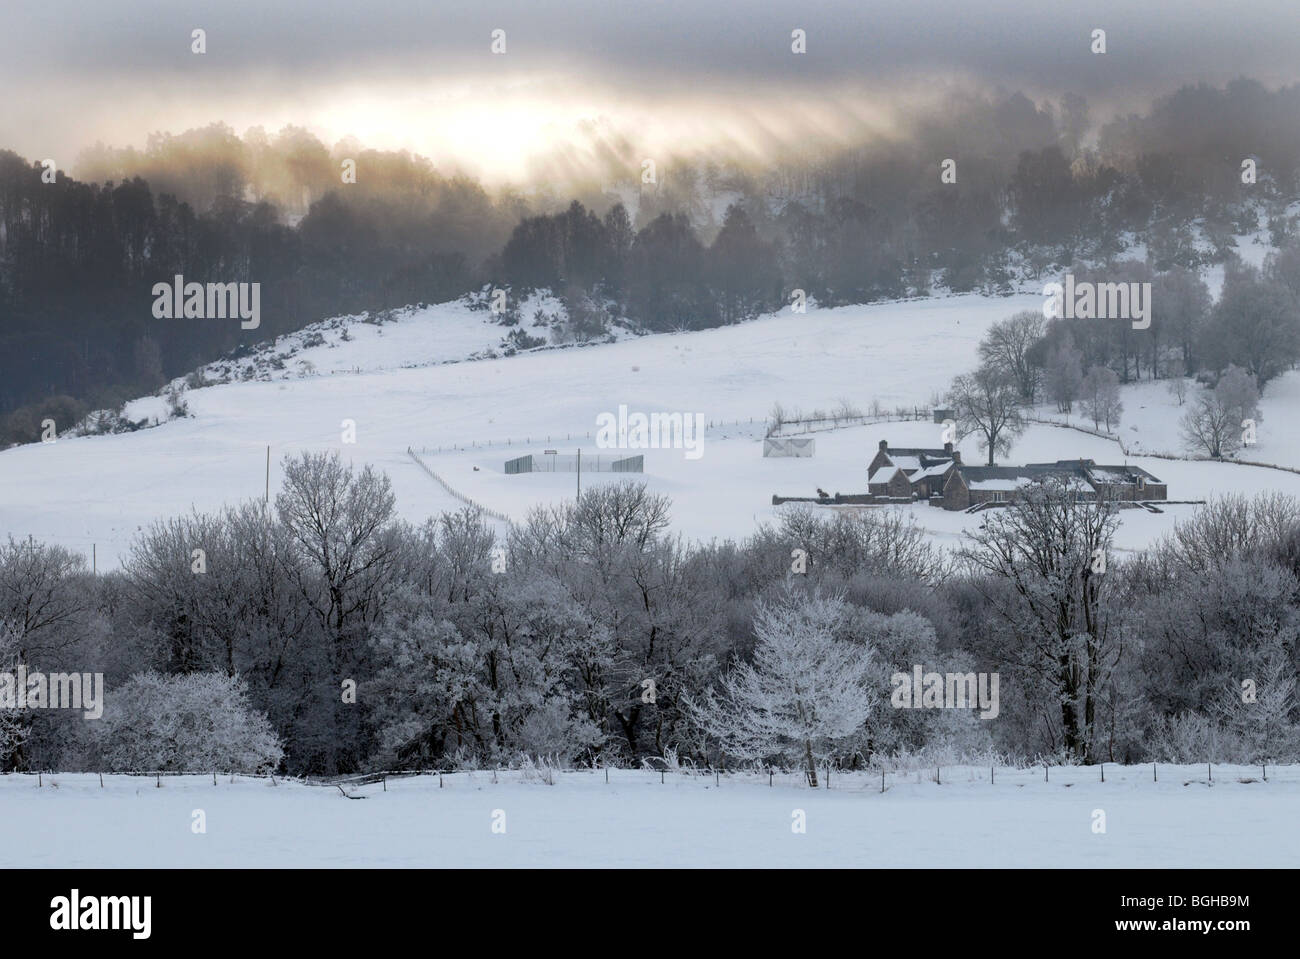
[1119, 441]
[795, 426]
[877, 779]
[457, 494]
[552, 439]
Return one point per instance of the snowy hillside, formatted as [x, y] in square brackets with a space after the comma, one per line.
[467, 418]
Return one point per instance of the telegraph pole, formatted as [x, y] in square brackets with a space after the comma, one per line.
[579, 473]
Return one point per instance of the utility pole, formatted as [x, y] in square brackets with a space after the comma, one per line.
[579, 473]
[267, 499]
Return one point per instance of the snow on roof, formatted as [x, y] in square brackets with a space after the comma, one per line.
[883, 475]
[937, 469]
[1121, 474]
[905, 462]
[1017, 477]
[1000, 484]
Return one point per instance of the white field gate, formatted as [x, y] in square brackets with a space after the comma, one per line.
[788, 446]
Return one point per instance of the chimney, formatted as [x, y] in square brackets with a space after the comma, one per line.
[884, 445]
[956, 456]
[947, 448]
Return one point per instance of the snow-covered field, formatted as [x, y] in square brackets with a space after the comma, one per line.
[99, 490]
[1183, 820]
[406, 389]
[1149, 423]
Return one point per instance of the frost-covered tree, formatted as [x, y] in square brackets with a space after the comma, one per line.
[805, 689]
[340, 520]
[1063, 374]
[509, 675]
[41, 596]
[187, 723]
[1100, 392]
[1255, 324]
[1264, 726]
[1238, 391]
[13, 727]
[1215, 424]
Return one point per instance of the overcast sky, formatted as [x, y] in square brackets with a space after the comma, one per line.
[419, 73]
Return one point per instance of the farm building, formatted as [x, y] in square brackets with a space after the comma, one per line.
[910, 472]
[938, 476]
[969, 486]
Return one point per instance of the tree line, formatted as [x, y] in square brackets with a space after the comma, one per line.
[320, 633]
[1217, 357]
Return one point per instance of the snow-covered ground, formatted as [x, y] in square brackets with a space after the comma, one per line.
[1150, 421]
[100, 490]
[406, 389]
[1183, 820]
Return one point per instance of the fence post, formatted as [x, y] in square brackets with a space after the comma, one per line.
[1103, 772]
[158, 783]
[882, 780]
[990, 775]
[101, 780]
[1154, 778]
[1210, 769]
[1046, 777]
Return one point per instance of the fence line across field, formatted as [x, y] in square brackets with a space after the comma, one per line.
[866, 780]
[1119, 441]
[455, 493]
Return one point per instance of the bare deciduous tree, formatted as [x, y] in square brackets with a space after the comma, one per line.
[1008, 346]
[1041, 565]
[987, 402]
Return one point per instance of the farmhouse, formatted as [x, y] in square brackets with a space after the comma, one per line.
[910, 472]
[937, 475]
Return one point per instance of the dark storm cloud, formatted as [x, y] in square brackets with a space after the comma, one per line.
[76, 71]
[675, 42]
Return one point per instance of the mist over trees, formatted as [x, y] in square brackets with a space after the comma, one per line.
[706, 241]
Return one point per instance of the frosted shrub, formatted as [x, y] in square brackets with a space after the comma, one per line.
[197, 722]
[1185, 739]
